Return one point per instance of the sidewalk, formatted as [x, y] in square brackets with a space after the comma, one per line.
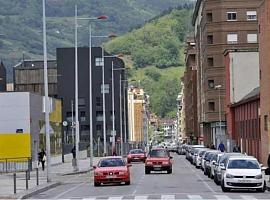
[58, 169]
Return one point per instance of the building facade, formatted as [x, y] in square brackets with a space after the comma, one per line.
[28, 76]
[219, 25]
[66, 92]
[137, 118]
[242, 100]
[3, 80]
[190, 91]
[264, 38]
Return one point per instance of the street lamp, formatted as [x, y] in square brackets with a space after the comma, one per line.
[102, 17]
[113, 106]
[47, 122]
[218, 87]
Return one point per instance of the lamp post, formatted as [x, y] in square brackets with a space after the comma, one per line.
[102, 17]
[47, 120]
[219, 106]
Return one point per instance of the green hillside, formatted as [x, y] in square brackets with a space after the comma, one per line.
[154, 54]
[21, 23]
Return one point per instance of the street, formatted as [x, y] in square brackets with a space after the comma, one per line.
[186, 182]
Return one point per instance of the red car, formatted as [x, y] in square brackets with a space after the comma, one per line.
[158, 159]
[111, 170]
[136, 155]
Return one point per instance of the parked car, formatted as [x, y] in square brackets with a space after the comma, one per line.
[207, 163]
[111, 170]
[158, 160]
[198, 161]
[213, 164]
[242, 173]
[136, 155]
[191, 151]
[204, 156]
[221, 162]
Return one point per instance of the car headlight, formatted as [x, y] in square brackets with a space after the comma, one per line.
[259, 176]
[165, 163]
[149, 163]
[98, 174]
[123, 173]
[229, 176]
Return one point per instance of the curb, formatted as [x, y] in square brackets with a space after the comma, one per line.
[38, 190]
[78, 172]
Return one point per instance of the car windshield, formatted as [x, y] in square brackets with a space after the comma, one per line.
[111, 162]
[243, 164]
[136, 151]
[158, 153]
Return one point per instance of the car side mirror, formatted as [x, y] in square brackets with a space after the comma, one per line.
[94, 167]
[171, 157]
[129, 165]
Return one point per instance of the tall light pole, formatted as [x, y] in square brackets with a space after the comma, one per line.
[47, 119]
[77, 129]
[219, 106]
[102, 17]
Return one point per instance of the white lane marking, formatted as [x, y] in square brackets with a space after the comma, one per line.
[141, 197]
[247, 197]
[67, 191]
[89, 199]
[167, 197]
[194, 197]
[221, 197]
[115, 198]
[206, 184]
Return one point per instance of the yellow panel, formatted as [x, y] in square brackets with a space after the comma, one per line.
[56, 115]
[15, 145]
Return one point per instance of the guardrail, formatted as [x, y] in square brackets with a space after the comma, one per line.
[11, 165]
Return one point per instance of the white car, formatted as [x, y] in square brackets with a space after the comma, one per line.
[213, 164]
[242, 173]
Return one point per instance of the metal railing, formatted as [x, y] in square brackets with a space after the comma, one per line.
[11, 165]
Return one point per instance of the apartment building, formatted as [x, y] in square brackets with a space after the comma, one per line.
[219, 25]
[190, 91]
[264, 38]
[137, 115]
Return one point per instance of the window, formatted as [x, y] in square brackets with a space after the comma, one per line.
[99, 62]
[232, 38]
[209, 17]
[252, 38]
[210, 39]
[211, 106]
[99, 116]
[231, 16]
[99, 127]
[251, 15]
[211, 84]
[81, 101]
[266, 122]
[83, 117]
[98, 101]
[210, 62]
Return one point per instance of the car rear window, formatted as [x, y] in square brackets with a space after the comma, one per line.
[111, 162]
[243, 164]
[158, 153]
[136, 151]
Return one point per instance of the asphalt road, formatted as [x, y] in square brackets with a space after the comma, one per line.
[185, 182]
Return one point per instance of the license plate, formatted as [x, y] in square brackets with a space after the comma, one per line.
[136, 158]
[244, 181]
[157, 166]
[111, 176]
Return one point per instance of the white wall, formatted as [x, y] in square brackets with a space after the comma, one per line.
[244, 74]
[14, 112]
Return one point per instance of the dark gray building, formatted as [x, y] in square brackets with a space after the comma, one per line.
[3, 80]
[66, 91]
